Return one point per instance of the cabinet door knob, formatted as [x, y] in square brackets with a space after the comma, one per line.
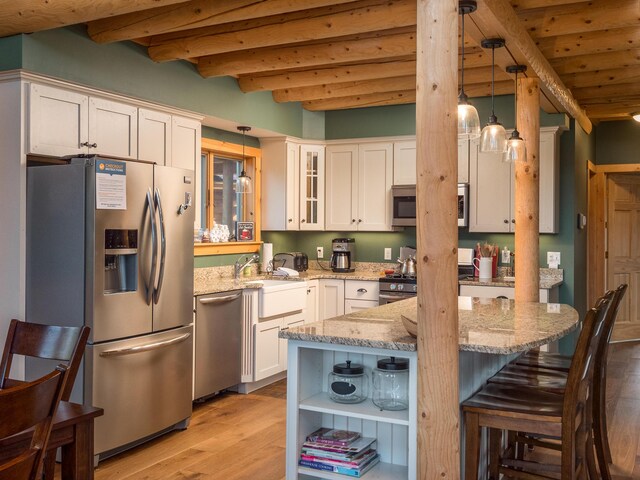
[362, 290]
[359, 220]
[513, 221]
[290, 220]
[506, 221]
[84, 144]
[302, 221]
[353, 220]
[93, 145]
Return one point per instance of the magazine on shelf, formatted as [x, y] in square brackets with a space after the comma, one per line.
[352, 472]
[333, 436]
[353, 448]
[355, 462]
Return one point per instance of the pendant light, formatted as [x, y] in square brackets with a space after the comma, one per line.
[636, 116]
[516, 149]
[494, 136]
[468, 120]
[243, 182]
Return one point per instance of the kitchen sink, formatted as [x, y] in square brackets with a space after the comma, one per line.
[280, 297]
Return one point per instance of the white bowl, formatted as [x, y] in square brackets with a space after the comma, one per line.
[410, 325]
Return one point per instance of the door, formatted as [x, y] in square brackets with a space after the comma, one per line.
[375, 176]
[404, 163]
[342, 180]
[311, 310]
[173, 297]
[154, 136]
[267, 349]
[185, 142]
[113, 128]
[123, 311]
[58, 121]
[143, 384]
[292, 187]
[623, 246]
[330, 298]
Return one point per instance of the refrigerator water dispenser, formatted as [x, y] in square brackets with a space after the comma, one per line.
[120, 261]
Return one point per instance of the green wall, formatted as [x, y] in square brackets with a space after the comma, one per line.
[617, 142]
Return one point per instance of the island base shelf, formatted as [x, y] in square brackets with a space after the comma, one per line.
[382, 471]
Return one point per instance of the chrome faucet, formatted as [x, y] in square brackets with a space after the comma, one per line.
[239, 266]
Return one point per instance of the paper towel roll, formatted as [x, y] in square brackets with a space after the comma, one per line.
[267, 256]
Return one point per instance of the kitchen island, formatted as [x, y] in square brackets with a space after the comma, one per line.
[491, 332]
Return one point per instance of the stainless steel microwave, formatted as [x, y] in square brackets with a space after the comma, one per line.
[404, 205]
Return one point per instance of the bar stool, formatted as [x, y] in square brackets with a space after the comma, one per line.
[550, 375]
[540, 413]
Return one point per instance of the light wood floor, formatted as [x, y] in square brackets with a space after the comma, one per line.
[242, 437]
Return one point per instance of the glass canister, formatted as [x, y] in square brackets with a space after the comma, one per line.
[348, 383]
[391, 384]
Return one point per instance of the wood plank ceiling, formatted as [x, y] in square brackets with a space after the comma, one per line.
[331, 54]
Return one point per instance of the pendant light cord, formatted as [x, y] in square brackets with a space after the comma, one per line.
[515, 103]
[493, 78]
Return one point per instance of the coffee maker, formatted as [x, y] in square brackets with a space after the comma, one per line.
[343, 254]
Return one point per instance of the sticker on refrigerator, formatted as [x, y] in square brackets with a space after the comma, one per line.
[111, 185]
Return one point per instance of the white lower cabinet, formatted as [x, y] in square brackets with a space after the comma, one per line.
[311, 310]
[360, 295]
[270, 354]
[547, 295]
[309, 408]
[330, 298]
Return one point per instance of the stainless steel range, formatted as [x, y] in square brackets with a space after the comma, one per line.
[396, 287]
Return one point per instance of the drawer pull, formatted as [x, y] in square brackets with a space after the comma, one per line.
[362, 290]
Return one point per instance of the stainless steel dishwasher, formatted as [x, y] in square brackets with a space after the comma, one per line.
[218, 339]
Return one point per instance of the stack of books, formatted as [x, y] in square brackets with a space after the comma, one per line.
[339, 451]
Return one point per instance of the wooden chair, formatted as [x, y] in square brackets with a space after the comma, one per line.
[62, 344]
[540, 413]
[30, 405]
[548, 373]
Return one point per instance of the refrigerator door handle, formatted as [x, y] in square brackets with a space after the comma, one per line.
[218, 300]
[154, 248]
[163, 247]
[146, 347]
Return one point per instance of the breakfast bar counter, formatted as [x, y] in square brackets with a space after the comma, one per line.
[491, 333]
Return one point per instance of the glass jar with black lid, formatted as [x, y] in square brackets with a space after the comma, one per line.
[391, 384]
[348, 383]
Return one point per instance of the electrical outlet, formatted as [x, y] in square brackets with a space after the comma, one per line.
[553, 259]
[319, 252]
[387, 254]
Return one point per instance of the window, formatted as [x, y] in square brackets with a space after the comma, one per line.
[220, 165]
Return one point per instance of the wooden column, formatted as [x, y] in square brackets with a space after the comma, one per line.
[527, 193]
[437, 240]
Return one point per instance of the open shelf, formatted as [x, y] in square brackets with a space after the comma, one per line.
[365, 410]
[382, 471]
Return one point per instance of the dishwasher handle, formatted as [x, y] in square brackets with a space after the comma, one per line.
[146, 347]
[219, 300]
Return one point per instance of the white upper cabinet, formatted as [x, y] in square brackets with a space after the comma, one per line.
[154, 136]
[404, 162]
[113, 128]
[342, 178]
[293, 178]
[58, 121]
[358, 188]
[312, 166]
[492, 187]
[186, 142]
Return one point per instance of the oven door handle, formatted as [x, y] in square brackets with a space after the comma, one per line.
[395, 297]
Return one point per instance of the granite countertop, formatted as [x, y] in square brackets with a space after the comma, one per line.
[488, 325]
[219, 280]
[549, 278]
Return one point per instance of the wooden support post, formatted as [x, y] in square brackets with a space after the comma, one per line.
[437, 240]
[527, 193]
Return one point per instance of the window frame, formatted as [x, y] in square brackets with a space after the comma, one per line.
[253, 158]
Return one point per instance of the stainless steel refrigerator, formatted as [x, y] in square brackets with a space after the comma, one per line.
[110, 245]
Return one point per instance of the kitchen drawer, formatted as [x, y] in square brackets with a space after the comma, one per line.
[361, 289]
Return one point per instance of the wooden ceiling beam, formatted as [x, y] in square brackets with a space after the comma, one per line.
[328, 74]
[191, 15]
[520, 5]
[310, 55]
[26, 16]
[621, 110]
[322, 23]
[596, 61]
[556, 20]
[590, 43]
[503, 19]
[604, 77]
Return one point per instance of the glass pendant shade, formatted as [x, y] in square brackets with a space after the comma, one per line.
[243, 182]
[516, 149]
[468, 120]
[493, 138]
[636, 116]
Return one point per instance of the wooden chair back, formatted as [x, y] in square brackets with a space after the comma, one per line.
[30, 405]
[576, 416]
[64, 344]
